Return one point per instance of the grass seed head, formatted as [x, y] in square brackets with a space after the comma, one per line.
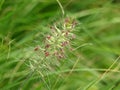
[55, 44]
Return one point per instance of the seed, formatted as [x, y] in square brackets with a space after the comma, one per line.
[36, 48]
[47, 46]
[60, 56]
[67, 20]
[48, 37]
[64, 43]
[47, 54]
[66, 33]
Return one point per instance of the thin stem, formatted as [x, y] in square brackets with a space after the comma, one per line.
[61, 7]
[70, 71]
[102, 76]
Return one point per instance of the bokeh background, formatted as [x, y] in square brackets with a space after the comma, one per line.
[23, 24]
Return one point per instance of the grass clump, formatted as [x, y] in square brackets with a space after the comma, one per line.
[66, 56]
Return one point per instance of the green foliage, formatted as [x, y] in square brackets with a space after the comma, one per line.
[93, 65]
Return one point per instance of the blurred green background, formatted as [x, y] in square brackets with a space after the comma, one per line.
[23, 24]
